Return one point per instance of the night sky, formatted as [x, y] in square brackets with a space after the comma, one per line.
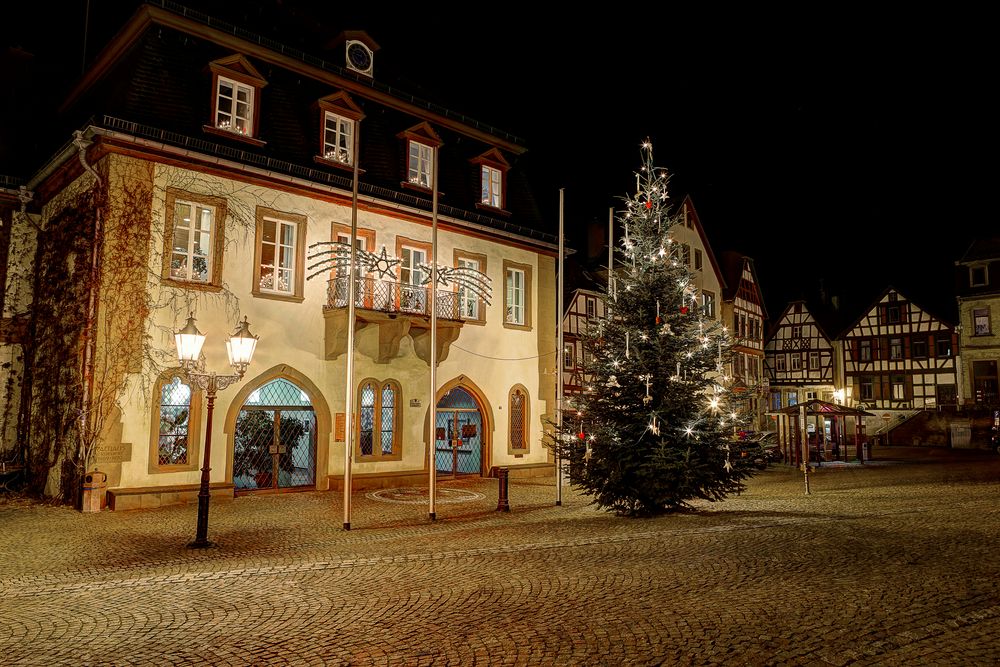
[851, 148]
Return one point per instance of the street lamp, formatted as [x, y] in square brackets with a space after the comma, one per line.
[240, 347]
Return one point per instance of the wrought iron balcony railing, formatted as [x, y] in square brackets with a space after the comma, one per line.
[392, 297]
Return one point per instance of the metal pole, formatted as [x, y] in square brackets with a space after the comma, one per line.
[561, 352]
[201, 538]
[805, 445]
[351, 295]
[432, 434]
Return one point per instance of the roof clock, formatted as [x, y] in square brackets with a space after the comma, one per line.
[359, 57]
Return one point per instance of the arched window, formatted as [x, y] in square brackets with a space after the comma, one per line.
[175, 428]
[517, 401]
[379, 422]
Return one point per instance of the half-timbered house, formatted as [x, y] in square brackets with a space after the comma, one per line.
[743, 309]
[799, 359]
[898, 358]
[584, 309]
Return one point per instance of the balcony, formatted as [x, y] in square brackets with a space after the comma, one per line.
[398, 310]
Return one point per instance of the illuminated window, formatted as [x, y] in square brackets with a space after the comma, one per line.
[338, 138]
[193, 239]
[421, 164]
[280, 254]
[517, 291]
[471, 307]
[236, 92]
[492, 180]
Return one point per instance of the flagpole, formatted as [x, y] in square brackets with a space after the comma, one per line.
[432, 435]
[351, 292]
[561, 352]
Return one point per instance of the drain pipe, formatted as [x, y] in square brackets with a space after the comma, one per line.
[89, 337]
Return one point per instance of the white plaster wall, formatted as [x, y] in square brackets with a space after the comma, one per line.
[491, 356]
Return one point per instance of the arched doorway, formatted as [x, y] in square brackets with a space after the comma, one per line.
[274, 441]
[458, 434]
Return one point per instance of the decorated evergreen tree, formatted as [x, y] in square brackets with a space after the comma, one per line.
[654, 428]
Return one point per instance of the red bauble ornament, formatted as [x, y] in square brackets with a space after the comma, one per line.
[649, 205]
[581, 435]
[684, 310]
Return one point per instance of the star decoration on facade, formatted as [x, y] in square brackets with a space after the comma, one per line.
[380, 266]
[464, 277]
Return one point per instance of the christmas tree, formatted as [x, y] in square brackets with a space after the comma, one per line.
[655, 425]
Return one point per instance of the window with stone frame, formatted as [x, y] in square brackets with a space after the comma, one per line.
[379, 420]
[279, 255]
[981, 322]
[518, 423]
[978, 276]
[471, 307]
[175, 429]
[517, 295]
[193, 240]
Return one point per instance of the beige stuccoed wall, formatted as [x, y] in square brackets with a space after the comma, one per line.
[491, 356]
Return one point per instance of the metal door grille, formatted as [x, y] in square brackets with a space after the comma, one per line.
[275, 439]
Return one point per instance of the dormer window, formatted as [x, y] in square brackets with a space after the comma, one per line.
[421, 164]
[493, 174]
[340, 119]
[492, 190]
[236, 87]
[977, 276]
[338, 138]
[234, 107]
[421, 140]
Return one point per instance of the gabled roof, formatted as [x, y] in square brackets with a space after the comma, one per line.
[805, 306]
[687, 201]
[982, 249]
[874, 304]
[732, 270]
[817, 407]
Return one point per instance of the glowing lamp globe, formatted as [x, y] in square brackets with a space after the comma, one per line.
[189, 341]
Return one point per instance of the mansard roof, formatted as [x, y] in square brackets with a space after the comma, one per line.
[155, 78]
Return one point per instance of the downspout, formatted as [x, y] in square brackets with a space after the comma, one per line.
[89, 337]
[23, 429]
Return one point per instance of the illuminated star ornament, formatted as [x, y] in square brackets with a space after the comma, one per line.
[466, 278]
[379, 265]
[336, 256]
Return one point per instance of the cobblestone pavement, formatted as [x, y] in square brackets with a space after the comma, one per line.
[893, 563]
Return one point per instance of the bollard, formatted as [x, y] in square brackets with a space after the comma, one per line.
[503, 505]
[95, 485]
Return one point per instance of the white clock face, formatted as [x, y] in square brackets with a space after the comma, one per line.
[359, 56]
